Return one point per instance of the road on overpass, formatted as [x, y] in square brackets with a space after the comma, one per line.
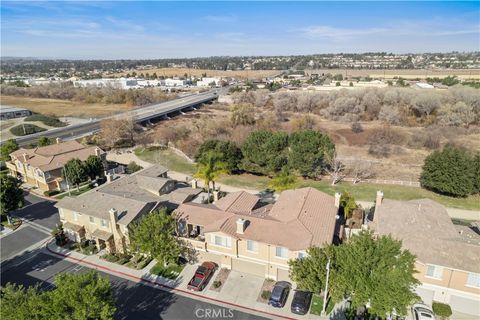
[140, 114]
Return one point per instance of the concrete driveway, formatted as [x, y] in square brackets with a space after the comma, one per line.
[241, 288]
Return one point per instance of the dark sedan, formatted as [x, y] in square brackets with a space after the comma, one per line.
[301, 302]
[279, 294]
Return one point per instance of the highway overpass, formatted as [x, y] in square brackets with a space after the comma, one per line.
[140, 114]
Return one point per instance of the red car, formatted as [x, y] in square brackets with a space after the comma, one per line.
[202, 275]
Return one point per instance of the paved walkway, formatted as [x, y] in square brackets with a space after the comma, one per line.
[240, 291]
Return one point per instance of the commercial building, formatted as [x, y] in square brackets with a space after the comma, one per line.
[175, 83]
[7, 112]
[448, 266]
[207, 82]
[242, 233]
[42, 166]
[121, 83]
[104, 214]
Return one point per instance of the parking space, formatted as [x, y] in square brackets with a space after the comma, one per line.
[19, 241]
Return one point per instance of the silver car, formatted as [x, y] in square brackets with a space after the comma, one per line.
[421, 311]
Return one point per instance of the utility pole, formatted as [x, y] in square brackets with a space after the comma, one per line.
[326, 288]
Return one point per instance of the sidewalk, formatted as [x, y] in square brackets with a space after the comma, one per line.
[230, 298]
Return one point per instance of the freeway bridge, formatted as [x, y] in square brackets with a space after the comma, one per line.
[140, 114]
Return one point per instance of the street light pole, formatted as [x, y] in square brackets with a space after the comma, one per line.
[326, 287]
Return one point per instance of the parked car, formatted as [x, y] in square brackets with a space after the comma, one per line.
[421, 311]
[201, 276]
[301, 302]
[279, 294]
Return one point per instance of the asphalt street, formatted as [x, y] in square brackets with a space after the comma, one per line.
[38, 211]
[20, 240]
[134, 300]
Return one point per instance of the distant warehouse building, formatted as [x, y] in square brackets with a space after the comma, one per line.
[122, 83]
[207, 82]
[175, 83]
[7, 112]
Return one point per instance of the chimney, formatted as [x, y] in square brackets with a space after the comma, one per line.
[215, 196]
[378, 200]
[58, 140]
[241, 225]
[194, 184]
[338, 195]
[113, 216]
[25, 157]
[98, 151]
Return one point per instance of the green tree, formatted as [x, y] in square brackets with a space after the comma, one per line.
[310, 272]
[94, 167]
[11, 196]
[385, 276]
[308, 151]
[265, 152]
[133, 167]
[44, 141]
[347, 203]
[74, 172]
[210, 168]
[154, 234]
[449, 172]
[85, 296]
[283, 181]
[476, 173]
[228, 152]
[8, 147]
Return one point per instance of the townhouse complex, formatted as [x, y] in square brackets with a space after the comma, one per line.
[104, 213]
[242, 233]
[42, 166]
[448, 266]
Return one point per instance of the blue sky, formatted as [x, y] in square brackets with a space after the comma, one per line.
[114, 30]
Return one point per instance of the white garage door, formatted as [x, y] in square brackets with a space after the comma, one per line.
[282, 275]
[426, 295]
[257, 269]
[465, 305]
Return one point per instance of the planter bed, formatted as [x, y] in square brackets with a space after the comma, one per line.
[220, 279]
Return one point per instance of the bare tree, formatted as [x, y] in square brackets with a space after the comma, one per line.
[335, 168]
[361, 170]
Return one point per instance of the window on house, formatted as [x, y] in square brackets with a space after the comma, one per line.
[473, 280]
[281, 252]
[92, 220]
[221, 241]
[252, 246]
[104, 223]
[434, 271]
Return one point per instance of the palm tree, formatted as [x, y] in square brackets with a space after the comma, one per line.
[210, 168]
[284, 180]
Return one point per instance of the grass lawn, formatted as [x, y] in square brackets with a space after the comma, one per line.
[170, 271]
[247, 181]
[317, 305]
[167, 158]
[74, 192]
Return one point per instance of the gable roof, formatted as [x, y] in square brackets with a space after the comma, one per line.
[309, 222]
[425, 229]
[55, 156]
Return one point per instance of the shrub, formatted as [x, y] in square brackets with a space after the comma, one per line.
[385, 135]
[142, 264]
[46, 120]
[133, 167]
[432, 141]
[441, 309]
[26, 129]
[110, 257]
[266, 294]
[217, 284]
[449, 172]
[50, 193]
[357, 127]
[379, 150]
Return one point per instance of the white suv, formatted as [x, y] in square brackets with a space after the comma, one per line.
[421, 311]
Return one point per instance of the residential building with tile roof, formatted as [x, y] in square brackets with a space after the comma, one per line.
[241, 232]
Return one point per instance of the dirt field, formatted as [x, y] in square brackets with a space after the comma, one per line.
[464, 74]
[63, 108]
[404, 163]
[172, 72]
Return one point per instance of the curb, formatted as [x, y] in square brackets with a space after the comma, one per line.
[166, 286]
[41, 196]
